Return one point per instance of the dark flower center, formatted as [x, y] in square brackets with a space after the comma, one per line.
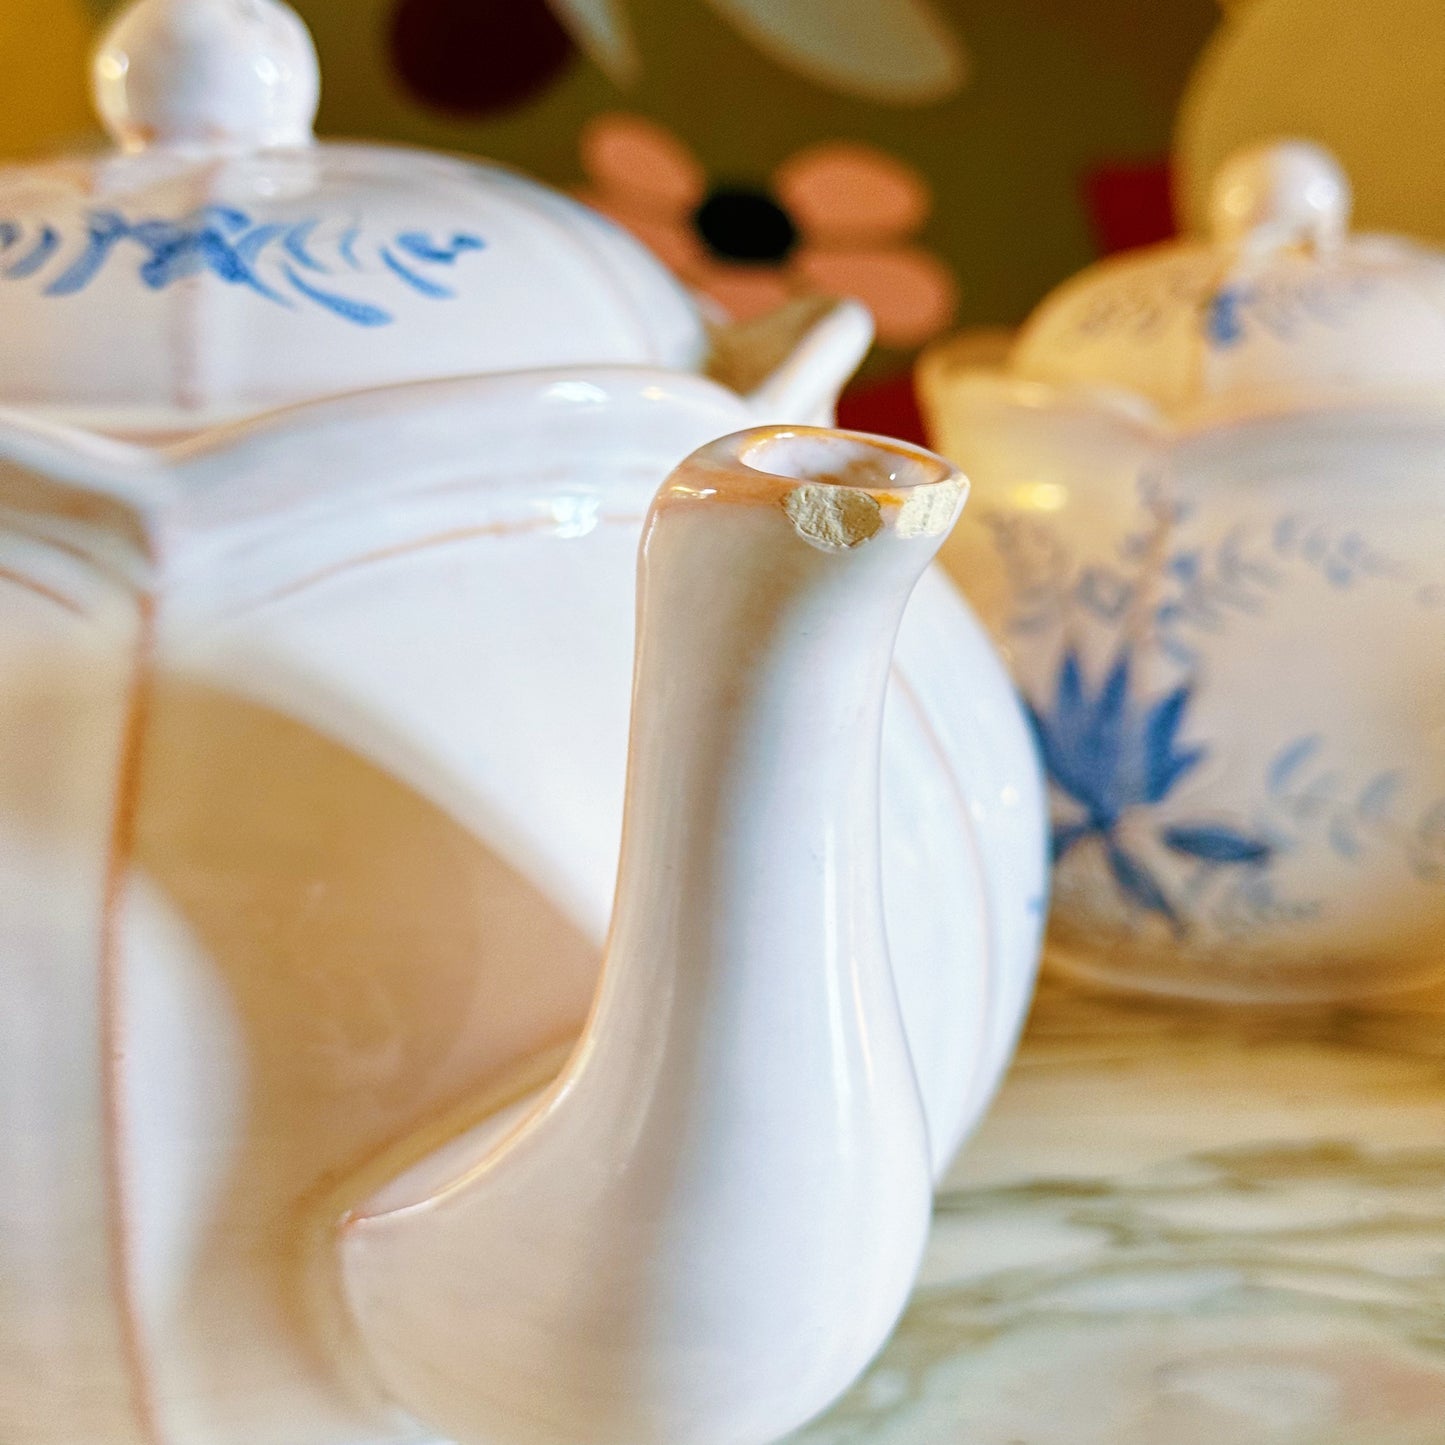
[745, 226]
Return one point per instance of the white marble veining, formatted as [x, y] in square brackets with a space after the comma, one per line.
[1181, 1227]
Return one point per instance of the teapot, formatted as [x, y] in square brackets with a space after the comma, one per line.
[1205, 537]
[428, 1015]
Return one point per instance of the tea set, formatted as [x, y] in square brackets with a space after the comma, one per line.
[518, 873]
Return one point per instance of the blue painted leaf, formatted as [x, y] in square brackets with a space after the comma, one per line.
[359, 313]
[1260, 573]
[1286, 532]
[1069, 707]
[1109, 712]
[1102, 747]
[1057, 760]
[1179, 651]
[1059, 736]
[418, 283]
[1290, 760]
[346, 247]
[1177, 768]
[1184, 566]
[1138, 883]
[45, 247]
[1342, 838]
[250, 247]
[228, 218]
[1165, 766]
[1042, 736]
[1214, 843]
[419, 245]
[1378, 797]
[295, 241]
[104, 230]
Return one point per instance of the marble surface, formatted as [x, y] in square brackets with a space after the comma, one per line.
[1182, 1226]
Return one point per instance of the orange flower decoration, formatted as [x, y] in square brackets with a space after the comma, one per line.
[836, 219]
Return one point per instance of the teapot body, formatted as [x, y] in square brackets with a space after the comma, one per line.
[309, 817]
[1226, 633]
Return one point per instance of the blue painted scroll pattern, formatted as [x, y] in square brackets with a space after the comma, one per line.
[282, 262]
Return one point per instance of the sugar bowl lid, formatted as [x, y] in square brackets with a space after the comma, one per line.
[219, 261]
[1279, 305]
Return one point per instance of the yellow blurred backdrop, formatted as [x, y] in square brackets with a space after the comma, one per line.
[43, 49]
[1365, 79]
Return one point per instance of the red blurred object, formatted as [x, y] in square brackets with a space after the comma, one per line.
[1130, 205]
[478, 57]
[888, 407]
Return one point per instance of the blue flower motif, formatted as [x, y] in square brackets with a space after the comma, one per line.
[1110, 755]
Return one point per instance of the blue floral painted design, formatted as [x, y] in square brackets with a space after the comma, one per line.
[1316, 796]
[1282, 306]
[276, 260]
[1112, 754]
[1223, 319]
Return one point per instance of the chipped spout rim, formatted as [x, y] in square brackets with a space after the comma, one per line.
[837, 488]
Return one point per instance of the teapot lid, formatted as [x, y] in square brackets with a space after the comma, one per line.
[219, 261]
[1279, 304]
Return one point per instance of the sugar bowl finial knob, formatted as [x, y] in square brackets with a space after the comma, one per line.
[207, 74]
[1285, 193]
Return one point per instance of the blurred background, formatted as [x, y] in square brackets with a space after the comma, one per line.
[949, 161]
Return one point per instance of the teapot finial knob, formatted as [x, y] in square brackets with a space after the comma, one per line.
[1286, 193]
[214, 74]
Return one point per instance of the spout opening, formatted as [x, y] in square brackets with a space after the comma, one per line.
[854, 460]
[837, 488]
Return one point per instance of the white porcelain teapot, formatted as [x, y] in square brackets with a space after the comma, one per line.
[316, 729]
[1206, 533]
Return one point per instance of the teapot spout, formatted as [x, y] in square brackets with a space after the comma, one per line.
[703, 1231]
[794, 361]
